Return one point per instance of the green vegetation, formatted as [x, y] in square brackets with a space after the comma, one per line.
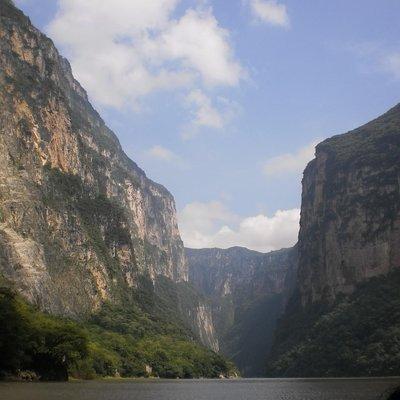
[33, 341]
[117, 341]
[142, 331]
[250, 338]
[358, 336]
[366, 143]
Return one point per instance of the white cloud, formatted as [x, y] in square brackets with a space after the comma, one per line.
[214, 225]
[161, 153]
[290, 163]
[126, 49]
[270, 12]
[202, 45]
[376, 58]
[206, 113]
[391, 64]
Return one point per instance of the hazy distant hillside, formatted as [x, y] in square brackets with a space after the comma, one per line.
[248, 291]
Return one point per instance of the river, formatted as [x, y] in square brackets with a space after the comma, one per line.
[240, 389]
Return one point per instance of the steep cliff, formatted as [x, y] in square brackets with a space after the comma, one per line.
[80, 223]
[350, 221]
[349, 234]
[248, 291]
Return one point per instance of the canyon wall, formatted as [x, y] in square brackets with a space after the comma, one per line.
[343, 317]
[80, 222]
[350, 220]
[248, 291]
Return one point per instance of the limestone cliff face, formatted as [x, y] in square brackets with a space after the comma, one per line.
[248, 291]
[348, 245]
[79, 221]
[350, 220]
[202, 319]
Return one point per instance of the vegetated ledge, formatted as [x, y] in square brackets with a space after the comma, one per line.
[38, 346]
[358, 335]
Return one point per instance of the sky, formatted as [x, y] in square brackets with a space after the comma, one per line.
[223, 101]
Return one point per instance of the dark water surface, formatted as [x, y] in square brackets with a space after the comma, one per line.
[241, 389]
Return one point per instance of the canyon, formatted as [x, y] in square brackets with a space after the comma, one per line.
[248, 292]
[84, 234]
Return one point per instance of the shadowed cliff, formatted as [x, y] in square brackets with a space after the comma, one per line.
[343, 318]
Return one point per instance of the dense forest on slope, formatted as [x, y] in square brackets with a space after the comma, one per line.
[116, 341]
[357, 336]
[249, 340]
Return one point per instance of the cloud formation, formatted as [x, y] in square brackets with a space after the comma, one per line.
[377, 57]
[126, 49]
[207, 113]
[163, 154]
[290, 163]
[212, 224]
[391, 64]
[270, 12]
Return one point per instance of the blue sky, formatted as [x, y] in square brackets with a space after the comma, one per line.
[222, 100]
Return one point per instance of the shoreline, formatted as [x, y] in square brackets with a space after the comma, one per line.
[156, 379]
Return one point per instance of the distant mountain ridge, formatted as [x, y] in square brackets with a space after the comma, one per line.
[248, 291]
[330, 306]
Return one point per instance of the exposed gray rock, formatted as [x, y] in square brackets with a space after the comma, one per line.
[349, 236]
[350, 221]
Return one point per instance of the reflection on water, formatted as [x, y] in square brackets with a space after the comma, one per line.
[241, 389]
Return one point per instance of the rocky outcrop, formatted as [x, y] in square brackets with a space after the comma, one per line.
[343, 315]
[248, 291]
[203, 320]
[350, 213]
[79, 221]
